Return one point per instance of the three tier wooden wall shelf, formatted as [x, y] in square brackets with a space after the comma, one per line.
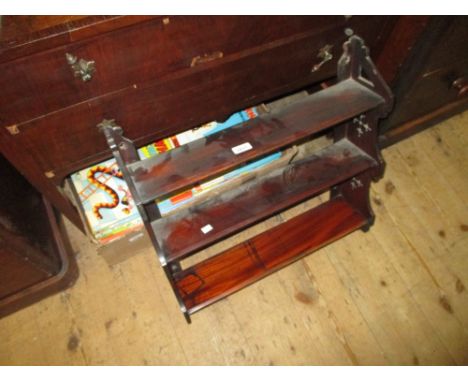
[350, 110]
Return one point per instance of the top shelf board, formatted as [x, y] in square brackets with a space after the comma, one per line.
[189, 164]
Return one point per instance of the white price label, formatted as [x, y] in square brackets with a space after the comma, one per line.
[242, 148]
[207, 228]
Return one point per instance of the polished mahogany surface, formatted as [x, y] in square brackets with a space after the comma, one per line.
[194, 162]
[155, 75]
[233, 269]
[182, 233]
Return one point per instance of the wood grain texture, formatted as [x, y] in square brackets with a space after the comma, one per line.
[150, 87]
[121, 63]
[396, 295]
[194, 162]
[14, 27]
[223, 274]
[180, 100]
[346, 167]
[180, 234]
[25, 35]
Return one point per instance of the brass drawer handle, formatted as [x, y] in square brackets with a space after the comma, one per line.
[324, 54]
[206, 58]
[81, 68]
[462, 85]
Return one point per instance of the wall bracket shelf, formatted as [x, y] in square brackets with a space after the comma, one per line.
[350, 109]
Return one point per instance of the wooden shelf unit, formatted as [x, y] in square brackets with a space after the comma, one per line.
[177, 169]
[350, 109]
[245, 263]
[180, 234]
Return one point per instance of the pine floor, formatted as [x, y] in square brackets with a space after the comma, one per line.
[395, 295]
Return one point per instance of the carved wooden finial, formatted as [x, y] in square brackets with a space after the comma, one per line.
[107, 124]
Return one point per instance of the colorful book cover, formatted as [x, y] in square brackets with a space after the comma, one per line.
[171, 204]
[107, 203]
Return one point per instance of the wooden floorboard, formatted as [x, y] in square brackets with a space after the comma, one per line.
[395, 295]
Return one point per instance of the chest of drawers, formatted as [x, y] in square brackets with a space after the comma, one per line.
[432, 83]
[156, 75]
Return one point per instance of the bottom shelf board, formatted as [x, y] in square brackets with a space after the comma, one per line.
[219, 276]
[199, 226]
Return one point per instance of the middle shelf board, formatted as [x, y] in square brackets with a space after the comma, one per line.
[197, 161]
[196, 227]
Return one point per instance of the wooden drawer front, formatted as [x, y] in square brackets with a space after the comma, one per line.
[432, 92]
[44, 82]
[69, 140]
